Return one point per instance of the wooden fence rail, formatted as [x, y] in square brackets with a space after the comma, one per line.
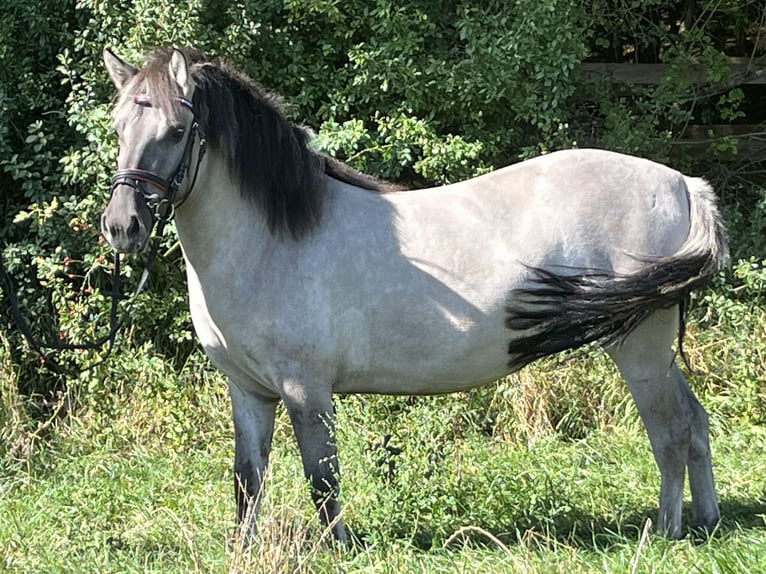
[743, 71]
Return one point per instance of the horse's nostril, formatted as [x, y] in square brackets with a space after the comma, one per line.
[134, 226]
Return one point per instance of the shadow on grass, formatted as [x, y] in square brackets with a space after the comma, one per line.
[590, 533]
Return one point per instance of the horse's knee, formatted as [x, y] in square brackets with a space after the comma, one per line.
[323, 476]
[700, 446]
[324, 482]
[699, 418]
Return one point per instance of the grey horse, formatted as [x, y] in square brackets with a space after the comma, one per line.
[307, 279]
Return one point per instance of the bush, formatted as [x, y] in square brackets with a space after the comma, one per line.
[420, 91]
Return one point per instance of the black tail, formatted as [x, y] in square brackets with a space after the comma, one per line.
[564, 311]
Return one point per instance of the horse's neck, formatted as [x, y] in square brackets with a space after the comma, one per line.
[215, 224]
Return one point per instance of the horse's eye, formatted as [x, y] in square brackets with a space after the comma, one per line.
[177, 133]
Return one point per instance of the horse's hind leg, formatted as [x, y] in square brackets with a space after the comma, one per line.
[705, 513]
[674, 420]
[253, 430]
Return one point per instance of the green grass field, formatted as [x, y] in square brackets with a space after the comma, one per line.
[134, 475]
[129, 469]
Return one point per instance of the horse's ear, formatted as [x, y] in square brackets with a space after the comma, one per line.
[119, 70]
[179, 69]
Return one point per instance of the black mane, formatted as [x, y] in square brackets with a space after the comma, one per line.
[276, 168]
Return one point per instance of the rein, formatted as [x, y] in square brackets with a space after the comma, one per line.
[163, 207]
[39, 347]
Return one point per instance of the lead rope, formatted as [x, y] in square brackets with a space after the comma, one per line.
[39, 347]
[115, 322]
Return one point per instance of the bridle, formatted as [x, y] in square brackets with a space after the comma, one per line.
[163, 207]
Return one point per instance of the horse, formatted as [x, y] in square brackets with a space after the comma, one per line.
[307, 278]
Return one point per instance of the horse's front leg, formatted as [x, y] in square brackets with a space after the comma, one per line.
[253, 431]
[312, 416]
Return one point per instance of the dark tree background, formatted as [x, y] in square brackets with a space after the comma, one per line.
[421, 91]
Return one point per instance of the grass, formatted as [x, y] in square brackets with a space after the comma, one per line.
[143, 484]
[129, 470]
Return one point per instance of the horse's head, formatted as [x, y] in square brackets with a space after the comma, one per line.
[155, 122]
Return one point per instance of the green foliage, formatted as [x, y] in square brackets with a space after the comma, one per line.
[736, 371]
[399, 142]
[419, 91]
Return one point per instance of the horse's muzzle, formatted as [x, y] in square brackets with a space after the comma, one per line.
[127, 221]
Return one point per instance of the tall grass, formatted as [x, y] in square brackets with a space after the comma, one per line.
[128, 469]
[101, 503]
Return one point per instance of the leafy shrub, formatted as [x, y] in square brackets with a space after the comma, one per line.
[421, 91]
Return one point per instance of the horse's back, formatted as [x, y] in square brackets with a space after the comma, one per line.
[580, 208]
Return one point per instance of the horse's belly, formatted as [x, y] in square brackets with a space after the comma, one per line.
[425, 361]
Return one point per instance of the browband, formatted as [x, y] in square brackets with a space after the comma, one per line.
[146, 100]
